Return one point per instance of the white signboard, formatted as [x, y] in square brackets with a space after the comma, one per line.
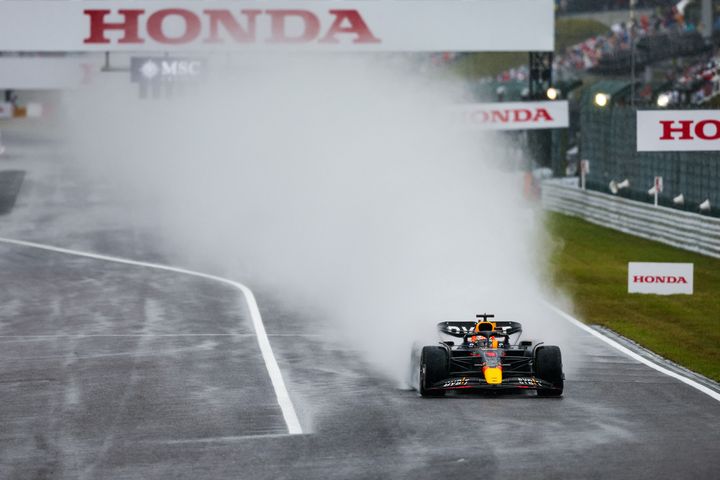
[660, 278]
[678, 130]
[6, 110]
[512, 115]
[331, 25]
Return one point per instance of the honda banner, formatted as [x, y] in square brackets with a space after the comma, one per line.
[512, 115]
[660, 278]
[331, 25]
[678, 130]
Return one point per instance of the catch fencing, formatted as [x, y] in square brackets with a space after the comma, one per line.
[653, 49]
[608, 141]
[689, 231]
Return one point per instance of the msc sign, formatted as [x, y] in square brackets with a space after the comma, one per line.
[165, 69]
[660, 278]
[678, 130]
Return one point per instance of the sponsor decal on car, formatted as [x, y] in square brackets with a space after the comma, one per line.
[457, 382]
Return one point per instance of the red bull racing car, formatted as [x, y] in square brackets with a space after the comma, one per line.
[486, 360]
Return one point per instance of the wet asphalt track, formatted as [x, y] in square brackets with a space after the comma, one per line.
[117, 372]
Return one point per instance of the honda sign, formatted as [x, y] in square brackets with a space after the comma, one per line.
[330, 25]
[678, 130]
[512, 115]
[660, 278]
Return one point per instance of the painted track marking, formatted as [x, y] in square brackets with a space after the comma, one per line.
[281, 392]
[688, 381]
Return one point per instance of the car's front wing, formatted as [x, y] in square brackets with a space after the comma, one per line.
[479, 383]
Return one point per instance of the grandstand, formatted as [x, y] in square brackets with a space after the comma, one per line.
[585, 6]
[659, 56]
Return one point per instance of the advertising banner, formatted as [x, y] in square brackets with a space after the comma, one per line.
[512, 115]
[332, 25]
[660, 278]
[678, 130]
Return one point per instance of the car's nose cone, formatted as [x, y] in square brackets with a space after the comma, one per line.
[493, 375]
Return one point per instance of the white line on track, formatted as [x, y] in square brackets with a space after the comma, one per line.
[283, 397]
[707, 391]
[234, 438]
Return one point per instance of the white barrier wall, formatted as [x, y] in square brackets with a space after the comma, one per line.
[689, 231]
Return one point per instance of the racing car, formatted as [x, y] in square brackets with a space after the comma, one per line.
[487, 360]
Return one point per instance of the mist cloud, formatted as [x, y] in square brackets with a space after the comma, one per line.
[333, 181]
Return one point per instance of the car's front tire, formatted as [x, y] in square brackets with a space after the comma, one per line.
[433, 368]
[548, 367]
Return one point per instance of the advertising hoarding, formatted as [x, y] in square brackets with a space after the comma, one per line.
[678, 130]
[660, 278]
[512, 115]
[332, 25]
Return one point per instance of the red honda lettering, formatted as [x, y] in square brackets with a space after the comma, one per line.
[227, 20]
[700, 130]
[191, 21]
[500, 116]
[356, 25]
[668, 130]
[98, 26]
[311, 26]
[681, 280]
[522, 115]
[638, 279]
[542, 114]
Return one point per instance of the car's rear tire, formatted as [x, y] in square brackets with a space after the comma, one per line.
[433, 368]
[548, 367]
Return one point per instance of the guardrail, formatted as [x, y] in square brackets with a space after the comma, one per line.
[689, 231]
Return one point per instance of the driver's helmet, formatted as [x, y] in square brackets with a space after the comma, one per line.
[483, 341]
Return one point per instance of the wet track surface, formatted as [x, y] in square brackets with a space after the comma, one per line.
[119, 372]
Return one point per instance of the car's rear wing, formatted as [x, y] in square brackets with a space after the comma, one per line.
[460, 329]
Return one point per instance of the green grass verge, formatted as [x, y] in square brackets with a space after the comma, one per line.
[488, 64]
[590, 264]
[568, 31]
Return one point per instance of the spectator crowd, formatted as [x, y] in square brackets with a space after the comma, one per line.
[695, 84]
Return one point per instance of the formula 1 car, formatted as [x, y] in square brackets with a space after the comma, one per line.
[486, 360]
